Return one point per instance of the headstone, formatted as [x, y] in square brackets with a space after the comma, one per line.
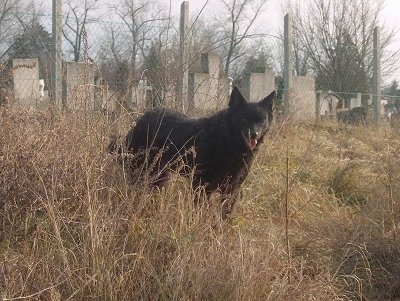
[355, 102]
[26, 82]
[257, 85]
[78, 86]
[328, 103]
[205, 87]
[303, 98]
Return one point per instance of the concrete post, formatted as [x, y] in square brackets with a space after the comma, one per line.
[376, 79]
[182, 89]
[287, 72]
[56, 78]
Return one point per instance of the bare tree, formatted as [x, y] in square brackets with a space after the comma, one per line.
[15, 19]
[16, 23]
[9, 25]
[335, 39]
[139, 24]
[142, 19]
[76, 20]
[237, 28]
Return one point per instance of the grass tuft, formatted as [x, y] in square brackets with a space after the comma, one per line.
[74, 228]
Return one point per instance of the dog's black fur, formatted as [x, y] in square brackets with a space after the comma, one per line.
[218, 149]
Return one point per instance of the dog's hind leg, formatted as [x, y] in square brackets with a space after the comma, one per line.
[228, 200]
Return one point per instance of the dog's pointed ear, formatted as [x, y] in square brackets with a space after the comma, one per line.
[236, 98]
[268, 102]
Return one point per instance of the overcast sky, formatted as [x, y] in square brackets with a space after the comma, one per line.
[273, 15]
[272, 18]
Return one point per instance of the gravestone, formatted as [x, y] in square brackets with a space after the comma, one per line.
[26, 82]
[303, 99]
[355, 102]
[257, 85]
[326, 104]
[78, 86]
[205, 88]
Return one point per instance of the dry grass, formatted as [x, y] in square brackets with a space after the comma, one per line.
[73, 229]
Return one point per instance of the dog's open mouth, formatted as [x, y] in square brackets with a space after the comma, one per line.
[250, 141]
[253, 143]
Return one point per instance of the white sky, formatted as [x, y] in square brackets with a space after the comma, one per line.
[274, 20]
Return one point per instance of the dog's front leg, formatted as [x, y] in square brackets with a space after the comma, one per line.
[229, 198]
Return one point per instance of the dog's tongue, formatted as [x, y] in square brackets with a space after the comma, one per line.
[253, 143]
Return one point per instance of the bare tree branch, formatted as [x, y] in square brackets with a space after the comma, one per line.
[243, 15]
[335, 39]
[75, 24]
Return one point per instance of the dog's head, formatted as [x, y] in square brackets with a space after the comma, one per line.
[250, 121]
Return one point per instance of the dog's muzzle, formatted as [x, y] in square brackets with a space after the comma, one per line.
[251, 139]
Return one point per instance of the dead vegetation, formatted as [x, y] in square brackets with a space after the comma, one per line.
[72, 228]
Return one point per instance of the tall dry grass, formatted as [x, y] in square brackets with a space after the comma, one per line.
[73, 228]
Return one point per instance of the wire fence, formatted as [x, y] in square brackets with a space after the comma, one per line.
[113, 60]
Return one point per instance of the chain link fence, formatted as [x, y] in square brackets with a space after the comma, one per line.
[126, 58]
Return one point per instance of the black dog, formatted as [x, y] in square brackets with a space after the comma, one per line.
[217, 151]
